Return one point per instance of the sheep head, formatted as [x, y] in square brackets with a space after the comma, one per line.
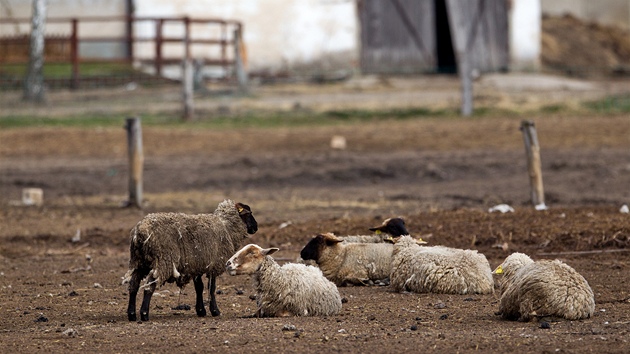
[245, 212]
[317, 244]
[392, 226]
[248, 259]
[512, 264]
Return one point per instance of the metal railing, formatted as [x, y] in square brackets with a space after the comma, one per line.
[216, 50]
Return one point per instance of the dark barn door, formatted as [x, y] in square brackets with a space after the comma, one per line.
[419, 36]
[480, 28]
[397, 36]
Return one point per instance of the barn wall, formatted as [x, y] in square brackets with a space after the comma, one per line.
[279, 34]
[69, 9]
[65, 9]
[525, 35]
[609, 12]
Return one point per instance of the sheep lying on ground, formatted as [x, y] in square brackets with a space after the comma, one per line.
[349, 263]
[439, 269]
[390, 227]
[543, 289]
[176, 247]
[293, 289]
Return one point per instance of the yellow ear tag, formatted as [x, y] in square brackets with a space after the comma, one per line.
[499, 270]
[377, 231]
[240, 210]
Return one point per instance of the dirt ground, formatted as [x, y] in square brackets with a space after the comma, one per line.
[440, 174]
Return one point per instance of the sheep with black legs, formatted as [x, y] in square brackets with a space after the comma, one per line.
[439, 269]
[349, 263]
[545, 288]
[289, 290]
[177, 247]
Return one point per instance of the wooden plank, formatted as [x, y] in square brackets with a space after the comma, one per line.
[387, 40]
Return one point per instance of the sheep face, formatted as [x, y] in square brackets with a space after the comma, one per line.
[248, 259]
[392, 226]
[314, 248]
[512, 264]
[245, 212]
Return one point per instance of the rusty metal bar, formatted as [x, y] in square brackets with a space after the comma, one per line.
[158, 47]
[74, 54]
[121, 18]
[187, 39]
[129, 39]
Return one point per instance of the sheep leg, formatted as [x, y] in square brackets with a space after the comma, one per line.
[201, 310]
[134, 285]
[146, 300]
[212, 287]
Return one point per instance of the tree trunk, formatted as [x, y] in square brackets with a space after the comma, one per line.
[34, 81]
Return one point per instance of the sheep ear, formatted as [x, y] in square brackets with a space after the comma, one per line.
[268, 251]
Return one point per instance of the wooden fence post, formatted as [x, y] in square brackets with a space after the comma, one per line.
[136, 161]
[239, 60]
[466, 82]
[532, 148]
[187, 89]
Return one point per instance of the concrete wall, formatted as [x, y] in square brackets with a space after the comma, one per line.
[69, 9]
[610, 12]
[278, 34]
[525, 35]
[65, 9]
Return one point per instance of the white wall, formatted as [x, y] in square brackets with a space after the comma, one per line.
[525, 35]
[22, 9]
[277, 33]
[65, 9]
[609, 12]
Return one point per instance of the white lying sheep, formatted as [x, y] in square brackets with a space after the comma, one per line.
[291, 289]
[349, 263]
[176, 247]
[543, 288]
[439, 269]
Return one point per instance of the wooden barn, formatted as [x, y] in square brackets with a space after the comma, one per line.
[423, 36]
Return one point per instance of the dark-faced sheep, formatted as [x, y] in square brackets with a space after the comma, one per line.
[349, 263]
[176, 247]
[391, 227]
[289, 290]
[543, 288]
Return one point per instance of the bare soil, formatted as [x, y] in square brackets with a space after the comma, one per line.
[440, 174]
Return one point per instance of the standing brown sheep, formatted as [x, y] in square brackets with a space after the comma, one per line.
[176, 247]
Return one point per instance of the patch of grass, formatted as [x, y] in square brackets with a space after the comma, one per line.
[64, 70]
[611, 105]
[248, 120]
[553, 108]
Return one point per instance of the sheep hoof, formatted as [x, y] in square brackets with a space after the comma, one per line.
[215, 313]
[144, 316]
[131, 316]
[201, 312]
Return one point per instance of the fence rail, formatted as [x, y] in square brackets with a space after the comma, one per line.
[65, 46]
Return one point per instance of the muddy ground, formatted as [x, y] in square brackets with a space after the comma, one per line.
[441, 174]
